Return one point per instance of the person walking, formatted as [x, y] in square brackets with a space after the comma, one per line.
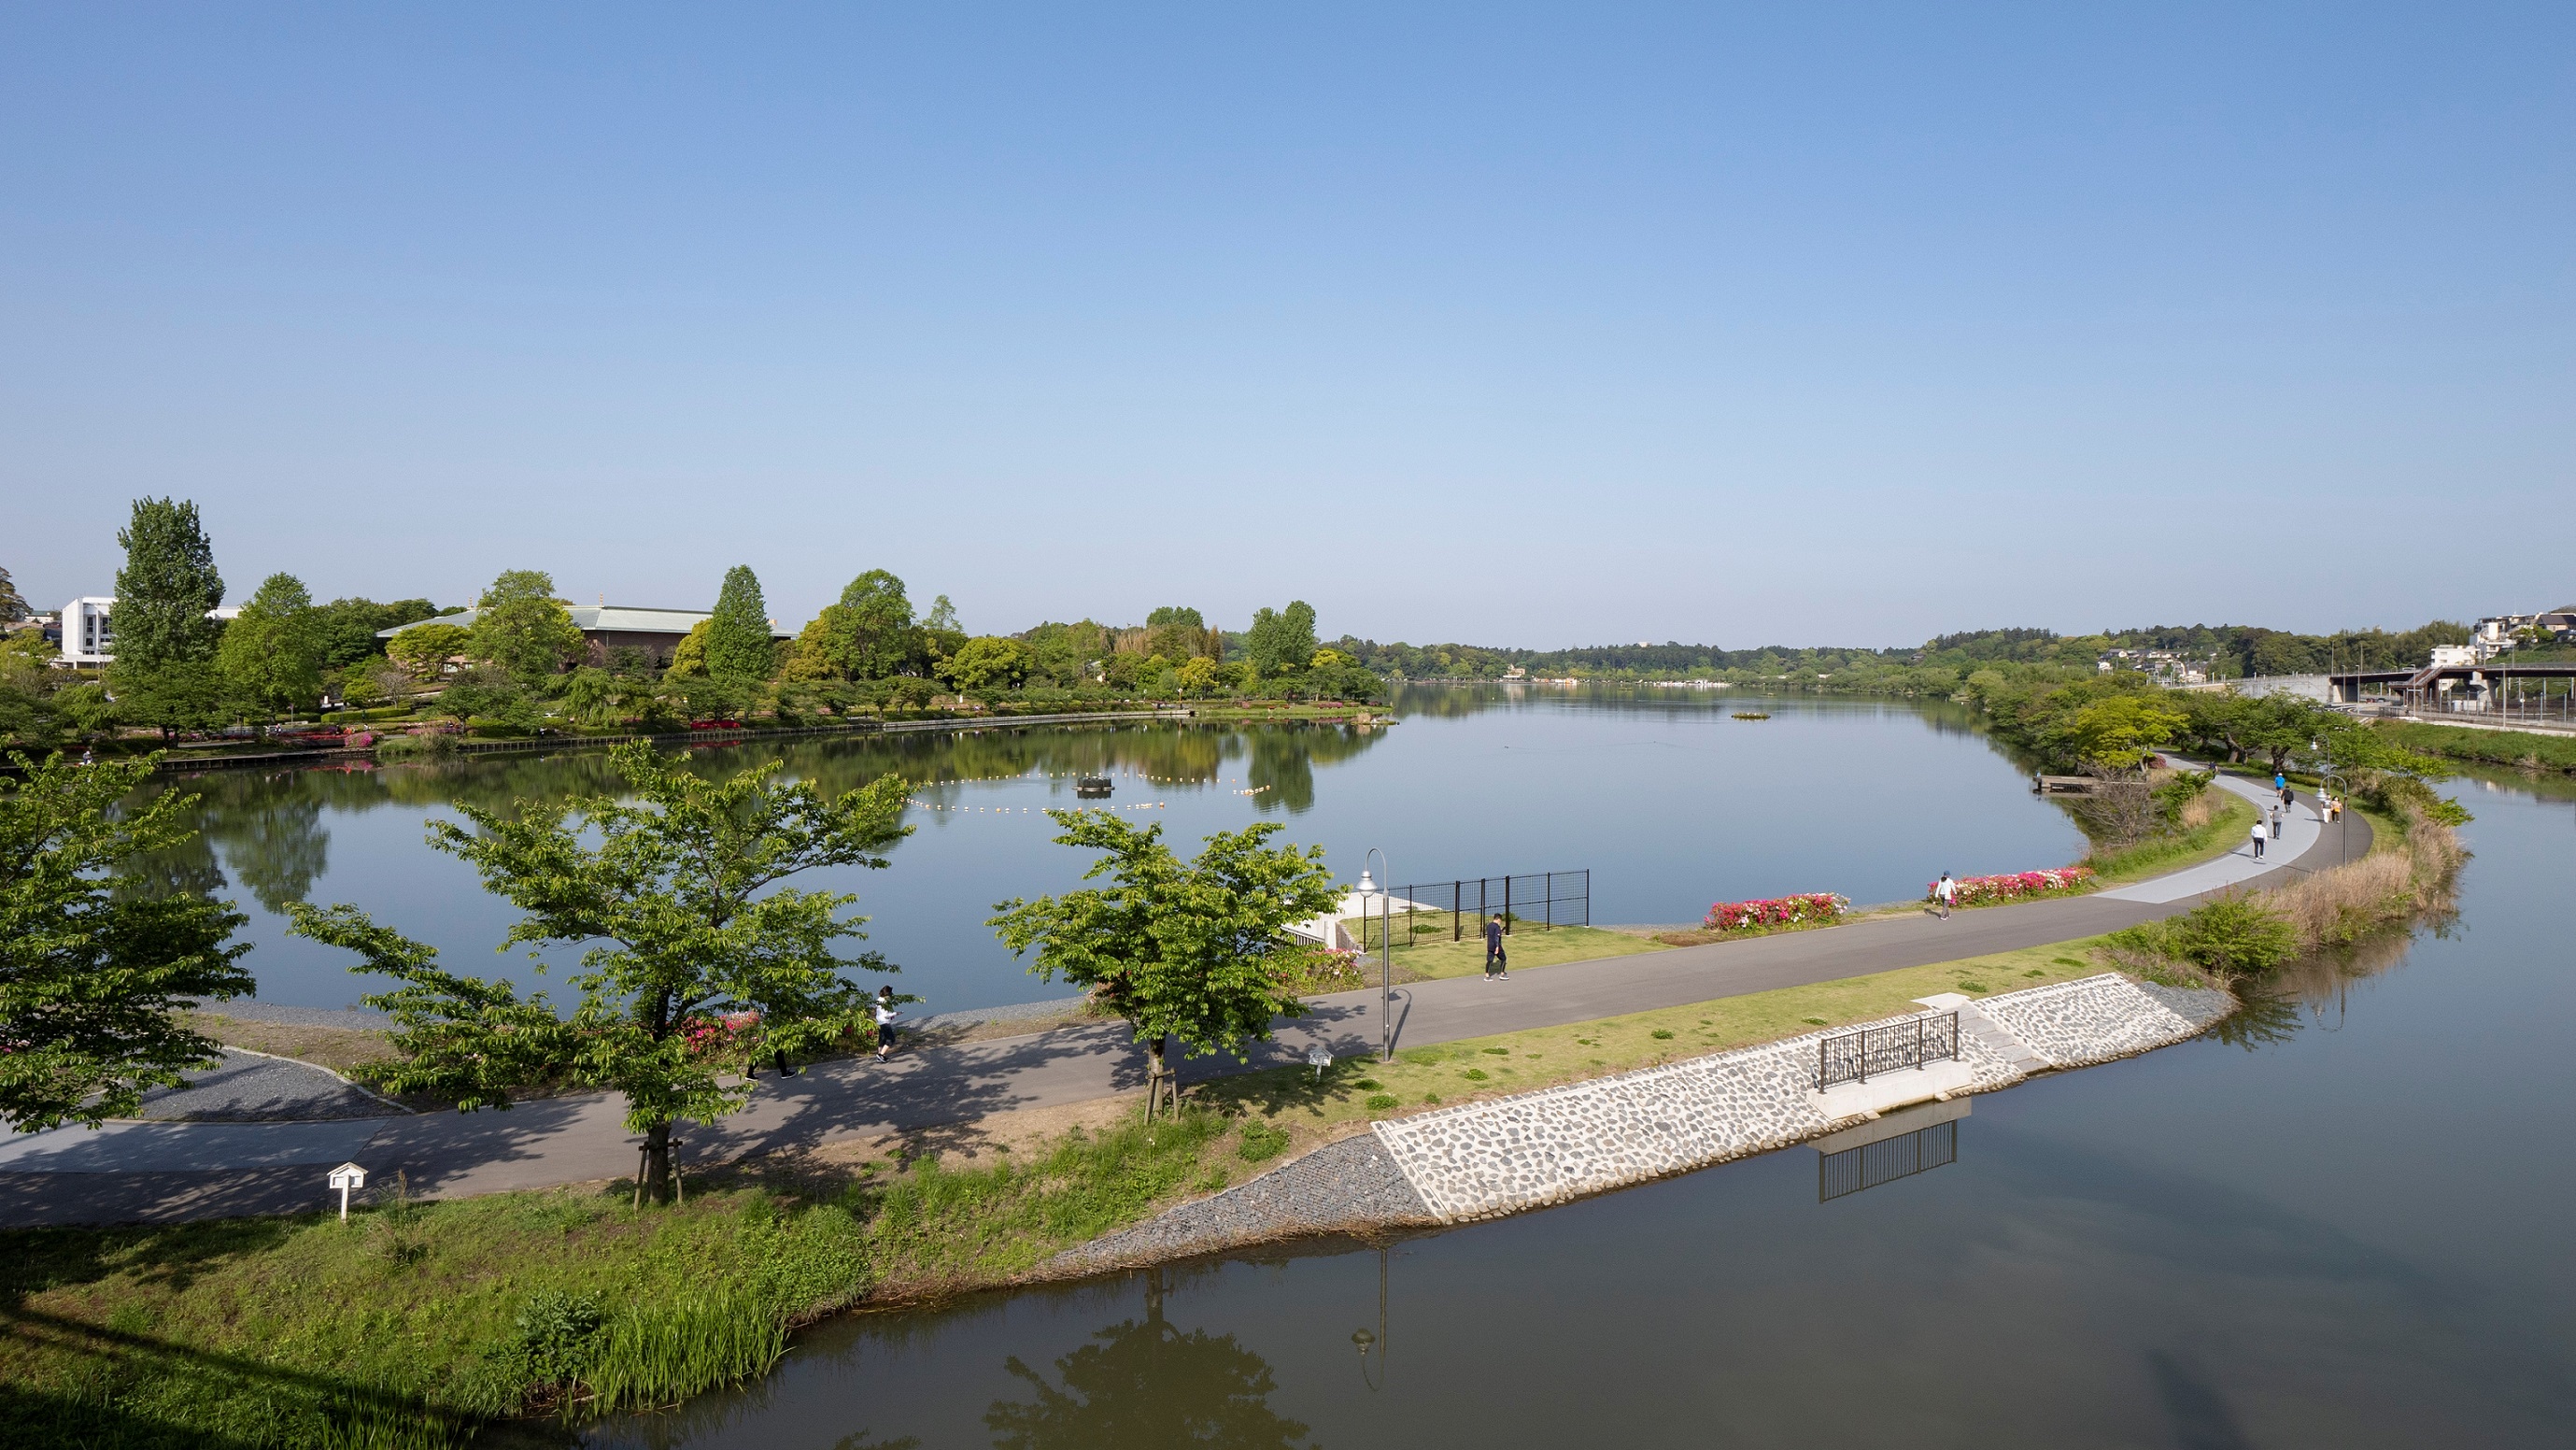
[2276, 823]
[1947, 891]
[1498, 963]
[2258, 840]
[885, 1014]
[2285, 797]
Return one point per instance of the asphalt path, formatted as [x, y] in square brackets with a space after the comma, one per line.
[90, 1176]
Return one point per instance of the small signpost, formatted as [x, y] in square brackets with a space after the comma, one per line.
[344, 1178]
[1319, 1057]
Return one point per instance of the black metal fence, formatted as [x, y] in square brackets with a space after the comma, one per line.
[1543, 900]
[1871, 1051]
[1886, 1160]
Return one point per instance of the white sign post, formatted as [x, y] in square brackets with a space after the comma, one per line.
[344, 1178]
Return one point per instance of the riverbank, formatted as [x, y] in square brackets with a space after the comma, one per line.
[2484, 744]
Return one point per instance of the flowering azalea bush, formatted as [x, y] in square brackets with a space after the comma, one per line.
[714, 1036]
[1777, 911]
[1982, 890]
[1319, 969]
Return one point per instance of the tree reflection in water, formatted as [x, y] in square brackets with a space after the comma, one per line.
[1144, 1386]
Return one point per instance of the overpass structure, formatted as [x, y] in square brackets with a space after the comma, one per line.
[2454, 688]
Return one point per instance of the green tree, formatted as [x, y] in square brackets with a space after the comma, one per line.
[92, 980]
[675, 891]
[425, 649]
[271, 656]
[1281, 642]
[2119, 731]
[738, 646]
[164, 670]
[521, 626]
[875, 635]
[987, 662]
[13, 605]
[1180, 951]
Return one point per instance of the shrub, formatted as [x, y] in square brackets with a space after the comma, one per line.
[1802, 910]
[2234, 936]
[2018, 886]
[1380, 1102]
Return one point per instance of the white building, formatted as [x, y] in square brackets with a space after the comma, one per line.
[89, 638]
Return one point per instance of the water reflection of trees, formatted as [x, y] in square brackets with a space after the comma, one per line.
[2317, 988]
[1144, 1385]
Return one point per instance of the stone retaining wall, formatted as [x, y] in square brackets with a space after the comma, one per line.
[1484, 1159]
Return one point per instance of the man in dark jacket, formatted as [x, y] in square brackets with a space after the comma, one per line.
[1497, 961]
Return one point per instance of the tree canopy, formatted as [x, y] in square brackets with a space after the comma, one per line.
[522, 627]
[674, 890]
[1182, 951]
[739, 651]
[168, 584]
[93, 978]
[1281, 642]
[271, 657]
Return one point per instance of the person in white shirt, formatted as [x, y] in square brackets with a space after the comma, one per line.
[1948, 891]
[2258, 840]
[886, 1014]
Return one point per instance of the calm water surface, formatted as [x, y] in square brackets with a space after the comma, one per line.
[1667, 800]
[2348, 1229]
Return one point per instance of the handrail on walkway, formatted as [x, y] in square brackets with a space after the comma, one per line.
[1917, 1042]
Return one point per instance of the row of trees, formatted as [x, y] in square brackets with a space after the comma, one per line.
[2110, 723]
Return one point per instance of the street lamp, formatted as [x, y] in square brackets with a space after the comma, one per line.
[1386, 953]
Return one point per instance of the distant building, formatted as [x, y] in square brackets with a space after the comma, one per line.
[2457, 656]
[2167, 667]
[88, 635]
[2498, 633]
[605, 627]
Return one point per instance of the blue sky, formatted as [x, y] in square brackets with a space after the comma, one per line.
[1521, 325]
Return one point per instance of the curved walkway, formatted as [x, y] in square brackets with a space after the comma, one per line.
[130, 1172]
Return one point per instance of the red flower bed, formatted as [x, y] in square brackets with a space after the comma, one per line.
[1777, 911]
[1980, 890]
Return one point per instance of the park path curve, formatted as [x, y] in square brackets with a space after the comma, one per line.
[154, 1172]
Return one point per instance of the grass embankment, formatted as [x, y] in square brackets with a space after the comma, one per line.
[1434, 955]
[2490, 747]
[414, 1324]
[347, 1051]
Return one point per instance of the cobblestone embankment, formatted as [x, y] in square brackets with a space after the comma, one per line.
[1486, 1159]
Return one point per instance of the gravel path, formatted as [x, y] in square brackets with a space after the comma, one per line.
[1352, 1186]
[245, 1009]
[251, 1088]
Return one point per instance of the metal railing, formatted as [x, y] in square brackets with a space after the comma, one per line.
[1543, 899]
[1885, 1161]
[1869, 1052]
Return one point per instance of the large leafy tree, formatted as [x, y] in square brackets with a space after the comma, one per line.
[425, 649]
[740, 652]
[875, 634]
[675, 893]
[1281, 642]
[271, 656]
[92, 979]
[521, 626]
[164, 670]
[986, 662]
[1185, 951]
[13, 605]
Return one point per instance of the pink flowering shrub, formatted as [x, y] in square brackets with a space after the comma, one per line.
[1982, 890]
[715, 1036]
[1777, 911]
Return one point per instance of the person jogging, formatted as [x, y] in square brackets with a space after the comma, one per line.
[2258, 840]
[885, 1013]
[1947, 891]
[1498, 963]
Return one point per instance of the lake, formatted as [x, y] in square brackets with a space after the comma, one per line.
[2344, 1228]
[1662, 795]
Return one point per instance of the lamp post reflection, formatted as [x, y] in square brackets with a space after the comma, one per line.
[1369, 1342]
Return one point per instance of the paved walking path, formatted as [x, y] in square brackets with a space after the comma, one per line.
[151, 1172]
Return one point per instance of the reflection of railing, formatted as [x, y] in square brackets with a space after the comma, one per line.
[1872, 1051]
[1543, 899]
[1872, 1164]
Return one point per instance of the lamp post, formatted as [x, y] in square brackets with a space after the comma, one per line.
[1386, 953]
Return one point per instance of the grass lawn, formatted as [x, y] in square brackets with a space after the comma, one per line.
[2212, 839]
[1529, 945]
[1516, 1062]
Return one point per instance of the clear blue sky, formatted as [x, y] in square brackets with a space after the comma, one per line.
[1504, 324]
